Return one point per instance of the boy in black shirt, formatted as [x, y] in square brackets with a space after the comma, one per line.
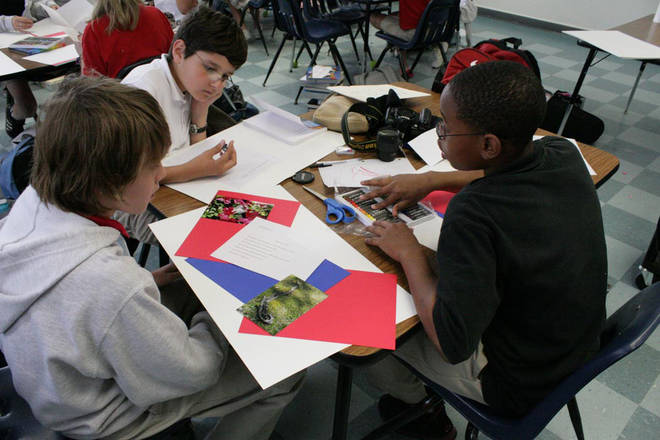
[518, 300]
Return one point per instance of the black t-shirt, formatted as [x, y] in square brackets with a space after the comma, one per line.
[523, 268]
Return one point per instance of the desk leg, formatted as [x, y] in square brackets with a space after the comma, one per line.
[342, 402]
[366, 38]
[632, 92]
[576, 91]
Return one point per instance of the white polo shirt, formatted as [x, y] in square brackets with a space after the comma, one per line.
[156, 78]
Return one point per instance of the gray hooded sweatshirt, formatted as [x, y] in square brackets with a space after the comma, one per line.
[89, 344]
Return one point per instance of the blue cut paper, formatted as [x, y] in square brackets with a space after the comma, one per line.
[245, 284]
[242, 283]
[327, 275]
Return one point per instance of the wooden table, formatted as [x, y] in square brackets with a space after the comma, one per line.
[36, 71]
[169, 202]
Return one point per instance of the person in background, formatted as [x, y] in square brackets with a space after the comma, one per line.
[176, 8]
[21, 103]
[35, 11]
[122, 32]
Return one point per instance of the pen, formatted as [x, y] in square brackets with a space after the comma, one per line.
[320, 165]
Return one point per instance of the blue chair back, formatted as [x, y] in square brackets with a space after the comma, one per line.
[438, 23]
[284, 18]
[16, 418]
[624, 332]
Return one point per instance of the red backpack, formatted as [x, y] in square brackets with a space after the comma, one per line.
[488, 50]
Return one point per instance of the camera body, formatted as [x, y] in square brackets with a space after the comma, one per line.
[401, 125]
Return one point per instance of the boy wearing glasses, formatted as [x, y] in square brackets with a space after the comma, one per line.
[207, 49]
[517, 299]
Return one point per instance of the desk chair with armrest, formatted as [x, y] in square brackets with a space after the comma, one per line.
[624, 332]
[437, 24]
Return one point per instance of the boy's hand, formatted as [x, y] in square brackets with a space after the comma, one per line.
[21, 23]
[395, 239]
[401, 190]
[207, 165]
[166, 275]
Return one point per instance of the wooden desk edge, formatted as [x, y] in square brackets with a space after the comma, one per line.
[169, 202]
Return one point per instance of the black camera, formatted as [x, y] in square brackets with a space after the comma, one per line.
[401, 125]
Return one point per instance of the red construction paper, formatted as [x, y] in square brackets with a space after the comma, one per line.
[208, 234]
[359, 310]
[439, 200]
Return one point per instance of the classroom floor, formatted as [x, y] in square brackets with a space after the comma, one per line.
[622, 403]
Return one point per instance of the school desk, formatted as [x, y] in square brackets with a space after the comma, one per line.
[618, 44]
[35, 71]
[168, 202]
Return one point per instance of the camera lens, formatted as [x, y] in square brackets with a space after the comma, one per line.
[387, 144]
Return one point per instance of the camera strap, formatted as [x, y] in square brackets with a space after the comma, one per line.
[375, 118]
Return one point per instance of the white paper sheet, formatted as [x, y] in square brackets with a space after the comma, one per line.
[574, 142]
[8, 66]
[261, 161]
[46, 28]
[9, 38]
[351, 173]
[442, 166]
[74, 14]
[270, 249]
[426, 145]
[281, 124]
[618, 44]
[268, 359]
[361, 93]
[55, 57]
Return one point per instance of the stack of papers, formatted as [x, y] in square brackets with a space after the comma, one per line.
[281, 124]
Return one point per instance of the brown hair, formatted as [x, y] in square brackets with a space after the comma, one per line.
[96, 135]
[211, 31]
[123, 14]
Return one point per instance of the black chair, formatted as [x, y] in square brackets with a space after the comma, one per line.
[18, 423]
[126, 69]
[625, 331]
[253, 6]
[289, 18]
[437, 24]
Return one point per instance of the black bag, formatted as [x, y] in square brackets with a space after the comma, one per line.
[581, 125]
[235, 106]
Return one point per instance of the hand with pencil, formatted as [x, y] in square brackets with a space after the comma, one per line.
[215, 161]
[21, 24]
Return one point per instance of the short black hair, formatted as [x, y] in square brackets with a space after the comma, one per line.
[500, 97]
[211, 31]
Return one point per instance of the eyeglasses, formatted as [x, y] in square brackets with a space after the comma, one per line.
[213, 74]
[441, 131]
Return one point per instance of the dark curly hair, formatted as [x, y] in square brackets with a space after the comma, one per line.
[211, 31]
[500, 97]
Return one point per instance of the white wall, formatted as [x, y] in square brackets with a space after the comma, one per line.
[582, 14]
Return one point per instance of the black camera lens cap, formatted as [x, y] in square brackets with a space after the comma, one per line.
[303, 177]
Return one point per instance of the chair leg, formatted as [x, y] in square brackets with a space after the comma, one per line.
[382, 55]
[144, 254]
[337, 57]
[632, 92]
[355, 49]
[272, 64]
[419, 55]
[293, 55]
[300, 89]
[428, 406]
[342, 402]
[471, 432]
[316, 54]
[402, 65]
[257, 22]
[574, 412]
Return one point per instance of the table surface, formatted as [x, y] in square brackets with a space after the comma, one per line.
[644, 29]
[169, 202]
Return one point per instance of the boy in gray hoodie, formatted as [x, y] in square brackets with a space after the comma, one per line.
[86, 333]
